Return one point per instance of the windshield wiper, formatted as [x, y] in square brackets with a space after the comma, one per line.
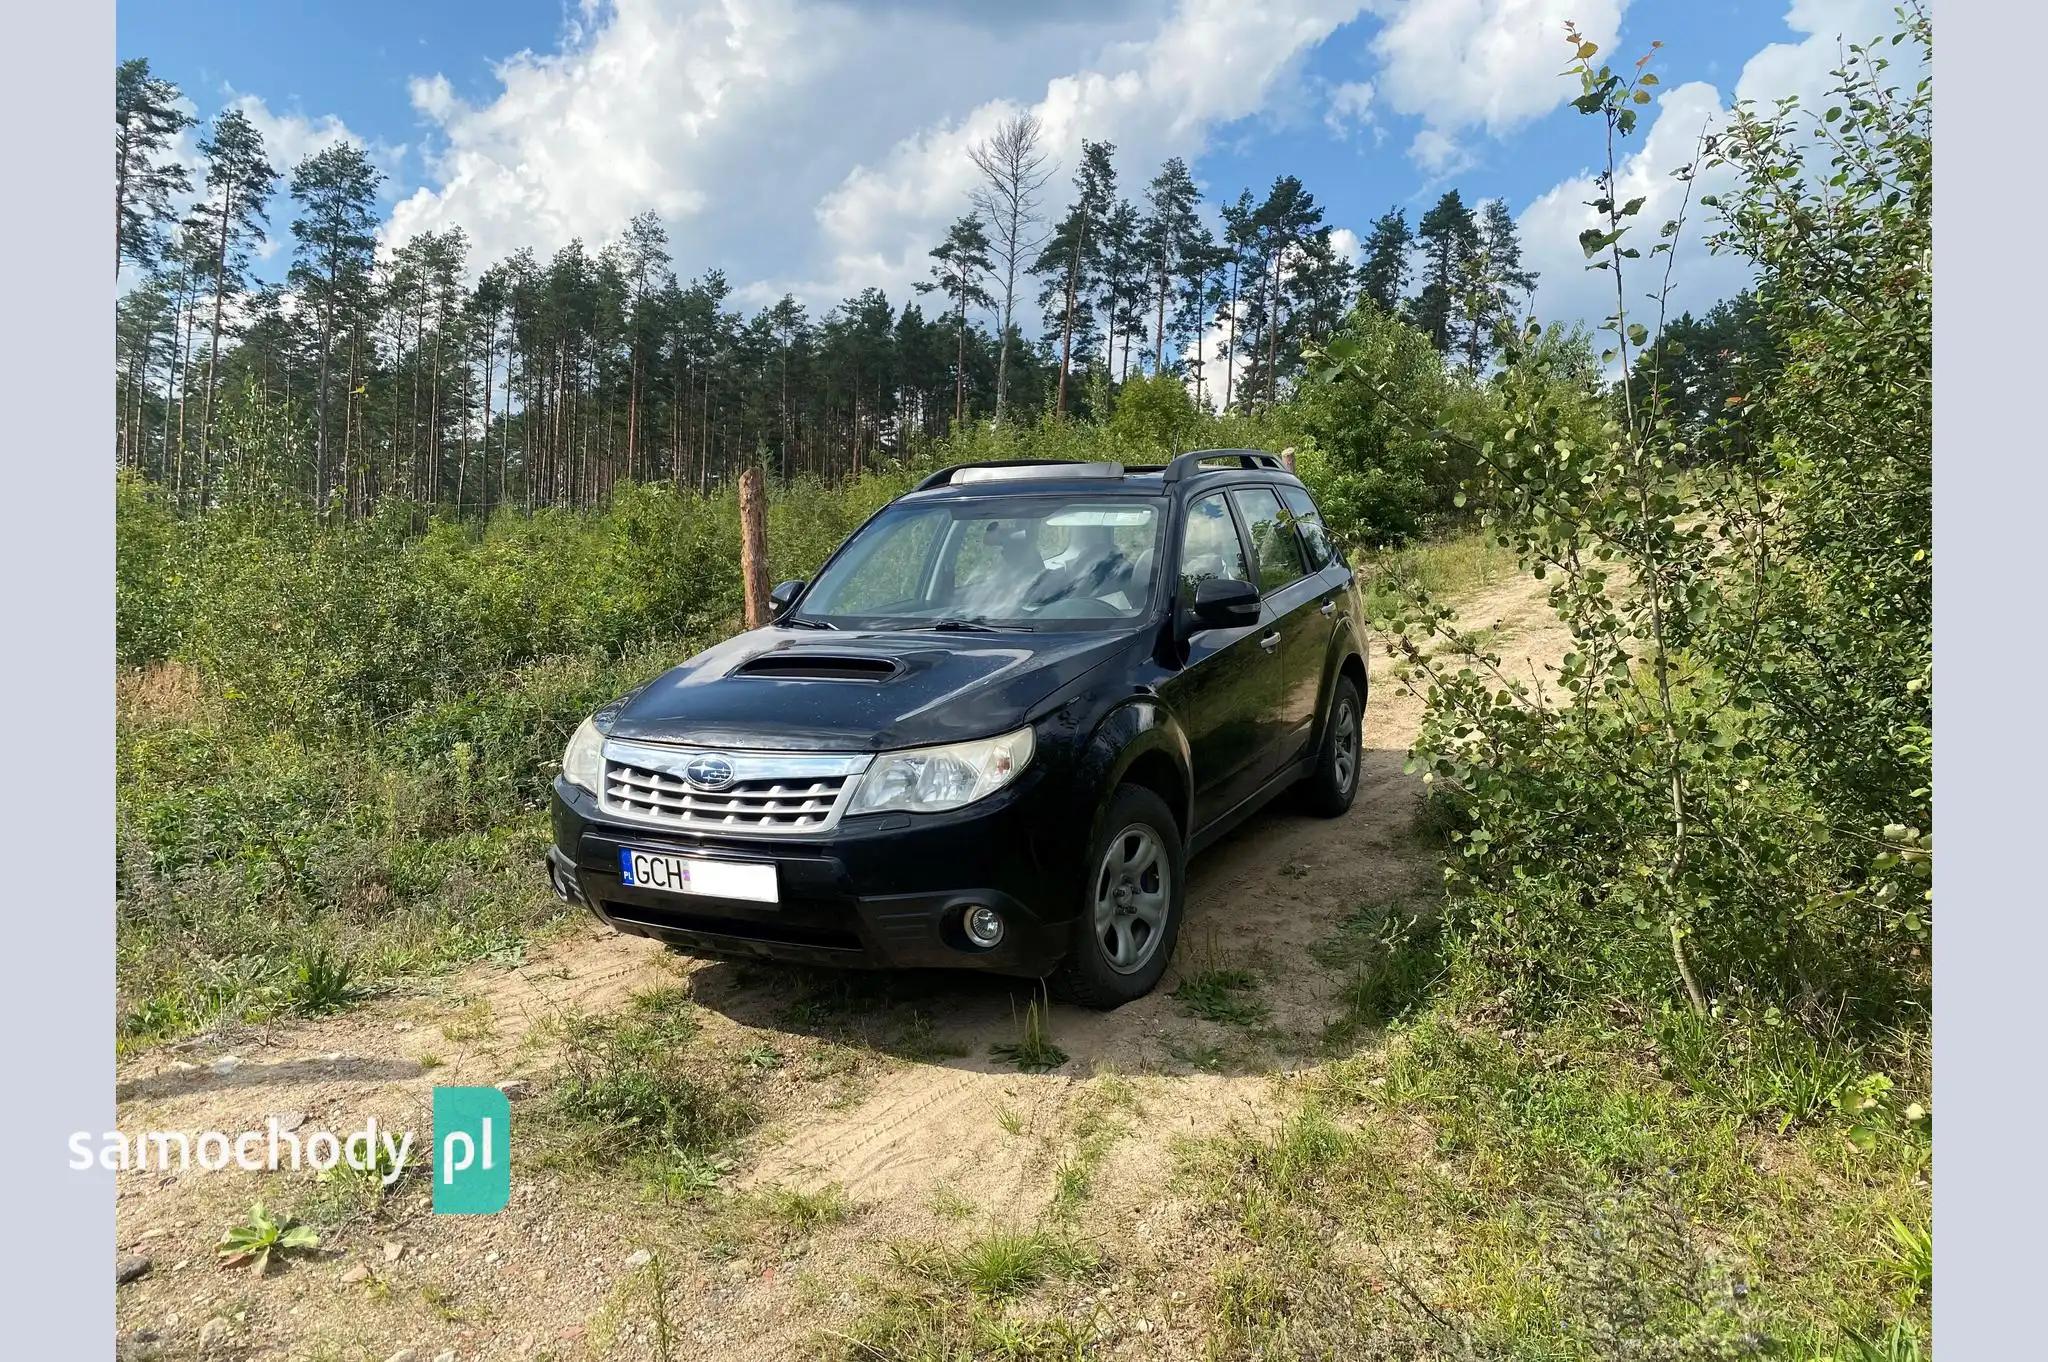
[796, 623]
[958, 626]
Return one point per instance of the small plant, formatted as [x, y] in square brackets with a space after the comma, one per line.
[323, 982]
[761, 1058]
[472, 1022]
[1007, 1263]
[1033, 1051]
[1222, 995]
[687, 1177]
[803, 1213]
[1911, 1256]
[255, 1239]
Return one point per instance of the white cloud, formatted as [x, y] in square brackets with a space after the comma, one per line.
[1350, 108]
[1208, 64]
[1490, 64]
[1439, 154]
[734, 120]
[1551, 224]
[289, 138]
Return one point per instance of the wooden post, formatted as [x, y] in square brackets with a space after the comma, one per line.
[754, 546]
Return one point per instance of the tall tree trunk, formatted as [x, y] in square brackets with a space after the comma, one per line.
[1159, 327]
[1067, 332]
[220, 294]
[1230, 342]
[120, 193]
[959, 367]
[1273, 330]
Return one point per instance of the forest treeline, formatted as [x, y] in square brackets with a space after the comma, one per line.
[424, 374]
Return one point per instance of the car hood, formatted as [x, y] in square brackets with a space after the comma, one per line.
[858, 690]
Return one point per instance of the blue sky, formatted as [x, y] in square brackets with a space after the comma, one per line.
[819, 147]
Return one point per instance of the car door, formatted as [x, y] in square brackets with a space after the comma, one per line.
[1332, 600]
[1229, 682]
[1293, 597]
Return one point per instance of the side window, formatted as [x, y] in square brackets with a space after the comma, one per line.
[1209, 547]
[1274, 544]
[1310, 523]
[890, 572]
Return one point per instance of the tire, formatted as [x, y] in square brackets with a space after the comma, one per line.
[1130, 904]
[1332, 786]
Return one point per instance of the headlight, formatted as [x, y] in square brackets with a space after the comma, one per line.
[932, 779]
[583, 760]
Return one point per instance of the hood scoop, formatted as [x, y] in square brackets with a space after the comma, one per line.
[804, 665]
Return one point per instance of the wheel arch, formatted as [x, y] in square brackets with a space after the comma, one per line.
[1141, 743]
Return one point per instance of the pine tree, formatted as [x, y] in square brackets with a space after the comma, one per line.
[1240, 239]
[960, 272]
[1491, 282]
[147, 120]
[1284, 221]
[1170, 232]
[1200, 289]
[335, 239]
[1384, 276]
[1122, 282]
[643, 260]
[239, 181]
[1448, 237]
[1072, 255]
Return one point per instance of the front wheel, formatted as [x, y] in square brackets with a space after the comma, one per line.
[1332, 786]
[1131, 905]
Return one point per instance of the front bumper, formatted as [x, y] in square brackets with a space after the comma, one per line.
[881, 891]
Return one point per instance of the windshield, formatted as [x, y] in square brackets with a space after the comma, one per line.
[997, 562]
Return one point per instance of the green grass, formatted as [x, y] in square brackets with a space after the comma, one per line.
[1541, 1194]
[635, 1091]
[1390, 959]
[1226, 995]
[978, 1299]
[1033, 1051]
[774, 1217]
[1455, 565]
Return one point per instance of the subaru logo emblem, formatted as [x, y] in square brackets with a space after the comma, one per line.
[709, 773]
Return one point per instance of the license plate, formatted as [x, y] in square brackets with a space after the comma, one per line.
[689, 875]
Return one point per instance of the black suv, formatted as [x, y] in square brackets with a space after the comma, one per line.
[989, 733]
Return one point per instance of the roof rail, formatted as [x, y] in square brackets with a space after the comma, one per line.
[1189, 464]
[992, 470]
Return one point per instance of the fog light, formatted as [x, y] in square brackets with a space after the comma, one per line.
[984, 926]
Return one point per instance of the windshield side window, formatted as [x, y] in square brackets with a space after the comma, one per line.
[1310, 522]
[1275, 547]
[883, 573]
[1210, 550]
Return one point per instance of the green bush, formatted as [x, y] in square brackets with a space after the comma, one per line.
[1722, 799]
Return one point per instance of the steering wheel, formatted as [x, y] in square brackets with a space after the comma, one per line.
[1080, 608]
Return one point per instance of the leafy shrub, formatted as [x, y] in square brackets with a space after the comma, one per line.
[1723, 798]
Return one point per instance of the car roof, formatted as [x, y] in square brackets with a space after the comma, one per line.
[1187, 473]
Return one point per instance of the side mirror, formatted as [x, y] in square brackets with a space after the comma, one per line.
[784, 594]
[1226, 603]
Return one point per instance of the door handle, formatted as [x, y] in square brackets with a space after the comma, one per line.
[1327, 608]
[1270, 641]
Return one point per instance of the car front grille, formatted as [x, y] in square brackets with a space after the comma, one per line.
[772, 794]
